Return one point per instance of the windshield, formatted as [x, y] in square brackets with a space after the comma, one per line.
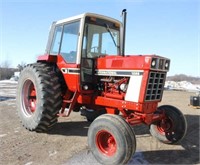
[100, 38]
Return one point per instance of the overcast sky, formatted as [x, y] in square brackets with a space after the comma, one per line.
[170, 28]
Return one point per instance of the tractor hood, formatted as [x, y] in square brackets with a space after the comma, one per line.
[134, 62]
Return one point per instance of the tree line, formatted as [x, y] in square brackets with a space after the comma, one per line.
[6, 72]
[183, 77]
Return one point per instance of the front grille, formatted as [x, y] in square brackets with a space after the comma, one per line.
[155, 86]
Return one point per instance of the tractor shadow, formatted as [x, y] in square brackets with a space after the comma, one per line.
[71, 128]
[184, 152]
[5, 98]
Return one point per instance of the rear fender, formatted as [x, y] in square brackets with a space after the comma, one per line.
[47, 58]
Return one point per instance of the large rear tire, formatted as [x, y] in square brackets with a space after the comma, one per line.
[172, 128]
[111, 139]
[38, 97]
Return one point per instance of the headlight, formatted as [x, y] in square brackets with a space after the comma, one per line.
[167, 64]
[153, 63]
[160, 64]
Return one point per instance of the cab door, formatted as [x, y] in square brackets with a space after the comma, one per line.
[64, 46]
[87, 74]
[89, 55]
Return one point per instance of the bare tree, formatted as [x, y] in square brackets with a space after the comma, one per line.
[5, 71]
[21, 66]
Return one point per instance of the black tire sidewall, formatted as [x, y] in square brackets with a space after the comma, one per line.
[30, 122]
[48, 97]
[179, 125]
[125, 147]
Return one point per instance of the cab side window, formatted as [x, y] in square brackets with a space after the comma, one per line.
[70, 41]
[56, 40]
[65, 41]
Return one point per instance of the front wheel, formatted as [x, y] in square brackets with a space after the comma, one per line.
[172, 128]
[111, 139]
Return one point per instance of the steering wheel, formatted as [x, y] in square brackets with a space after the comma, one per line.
[95, 48]
[90, 52]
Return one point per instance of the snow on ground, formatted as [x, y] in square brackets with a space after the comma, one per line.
[182, 85]
[8, 82]
[7, 89]
[86, 157]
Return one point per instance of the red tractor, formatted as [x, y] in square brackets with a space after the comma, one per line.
[85, 69]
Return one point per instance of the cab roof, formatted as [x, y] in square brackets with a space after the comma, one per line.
[81, 16]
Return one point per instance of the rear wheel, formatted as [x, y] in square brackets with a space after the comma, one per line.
[111, 139]
[38, 97]
[172, 128]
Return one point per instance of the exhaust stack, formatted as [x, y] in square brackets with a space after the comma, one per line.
[124, 13]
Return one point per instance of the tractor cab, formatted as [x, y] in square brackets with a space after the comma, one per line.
[75, 44]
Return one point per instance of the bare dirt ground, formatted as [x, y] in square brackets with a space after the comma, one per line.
[66, 143]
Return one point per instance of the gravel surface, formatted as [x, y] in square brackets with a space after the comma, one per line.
[66, 143]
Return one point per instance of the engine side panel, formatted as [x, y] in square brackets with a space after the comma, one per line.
[134, 86]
